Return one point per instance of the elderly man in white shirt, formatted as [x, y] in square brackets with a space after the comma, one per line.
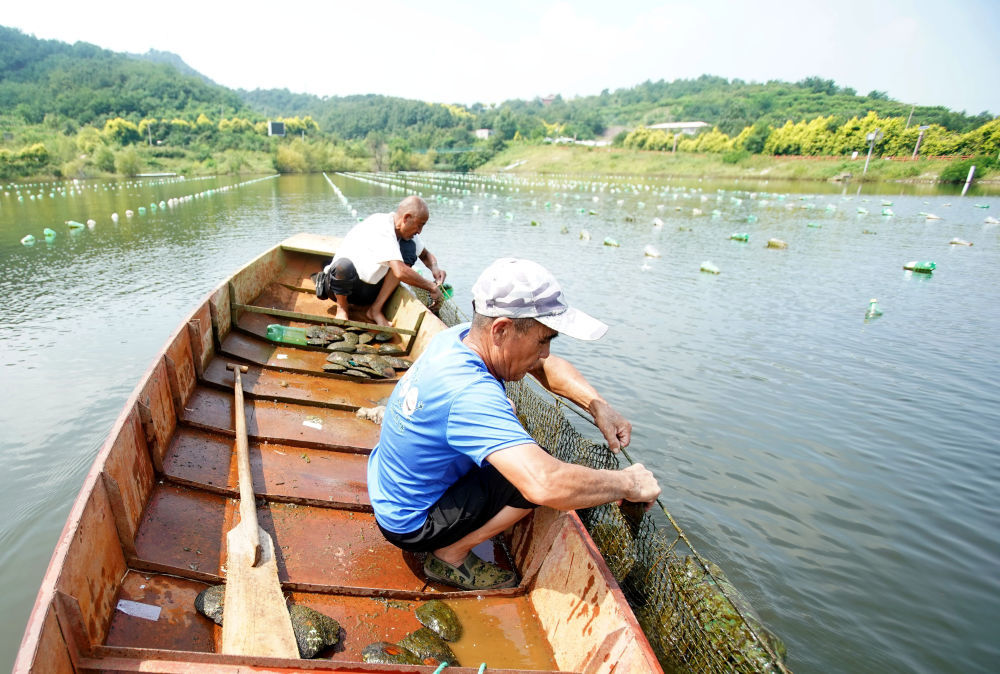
[375, 256]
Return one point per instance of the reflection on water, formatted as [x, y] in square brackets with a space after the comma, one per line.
[843, 473]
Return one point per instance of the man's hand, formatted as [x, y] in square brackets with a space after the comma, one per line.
[436, 298]
[643, 487]
[617, 430]
[439, 274]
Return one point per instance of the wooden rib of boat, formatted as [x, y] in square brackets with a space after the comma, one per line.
[149, 525]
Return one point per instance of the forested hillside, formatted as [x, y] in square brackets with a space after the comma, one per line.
[82, 110]
[83, 84]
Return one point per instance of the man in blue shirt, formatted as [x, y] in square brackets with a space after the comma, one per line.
[453, 466]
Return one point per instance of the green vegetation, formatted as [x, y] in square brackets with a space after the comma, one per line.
[81, 111]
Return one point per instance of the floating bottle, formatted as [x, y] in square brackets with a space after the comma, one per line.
[960, 242]
[50, 234]
[887, 212]
[873, 309]
[608, 241]
[28, 240]
[709, 268]
[650, 251]
[73, 224]
[286, 334]
[739, 236]
[777, 243]
[922, 267]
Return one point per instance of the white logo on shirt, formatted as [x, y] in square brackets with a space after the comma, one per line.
[409, 405]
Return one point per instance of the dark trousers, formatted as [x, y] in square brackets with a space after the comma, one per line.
[342, 279]
[466, 506]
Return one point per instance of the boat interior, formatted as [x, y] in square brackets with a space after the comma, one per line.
[148, 531]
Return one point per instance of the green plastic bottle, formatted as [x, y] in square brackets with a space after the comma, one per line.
[286, 334]
[923, 266]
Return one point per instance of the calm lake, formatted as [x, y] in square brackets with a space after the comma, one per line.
[844, 472]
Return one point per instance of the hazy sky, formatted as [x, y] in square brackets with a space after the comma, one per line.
[918, 51]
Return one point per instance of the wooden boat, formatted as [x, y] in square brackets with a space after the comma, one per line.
[148, 530]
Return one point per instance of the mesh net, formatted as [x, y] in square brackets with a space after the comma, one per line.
[693, 617]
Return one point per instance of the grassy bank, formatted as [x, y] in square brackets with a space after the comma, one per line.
[576, 160]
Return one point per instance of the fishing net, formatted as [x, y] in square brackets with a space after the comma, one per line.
[693, 617]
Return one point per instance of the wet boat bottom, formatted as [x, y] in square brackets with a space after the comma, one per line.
[500, 631]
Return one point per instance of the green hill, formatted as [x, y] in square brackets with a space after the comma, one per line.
[84, 84]
[82, 110]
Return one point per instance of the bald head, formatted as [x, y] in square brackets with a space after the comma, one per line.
[411, 216]
[415, 206]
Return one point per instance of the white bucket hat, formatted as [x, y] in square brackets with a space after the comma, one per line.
[524, 289]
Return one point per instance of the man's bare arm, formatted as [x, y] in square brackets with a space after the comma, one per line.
[562, 378]
[545, 480]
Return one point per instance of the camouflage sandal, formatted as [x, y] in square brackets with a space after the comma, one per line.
[472, 574]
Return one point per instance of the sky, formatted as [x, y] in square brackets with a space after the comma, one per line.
[924, 52]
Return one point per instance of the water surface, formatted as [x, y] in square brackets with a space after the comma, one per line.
[843, 472]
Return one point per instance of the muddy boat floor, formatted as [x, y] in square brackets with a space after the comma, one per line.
[308, 458]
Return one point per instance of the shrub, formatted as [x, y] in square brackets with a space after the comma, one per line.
[735, 156]
[128, 163]
[958, 171]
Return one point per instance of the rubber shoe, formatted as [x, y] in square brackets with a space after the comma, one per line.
[472, 574]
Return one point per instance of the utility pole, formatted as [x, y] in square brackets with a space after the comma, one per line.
[916, 148]
[872, 137]
[911, 115]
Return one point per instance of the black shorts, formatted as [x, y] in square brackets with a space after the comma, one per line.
[466, 506]
[342, 279]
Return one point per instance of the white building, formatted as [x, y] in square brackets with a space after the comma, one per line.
[690, 128]
[484, 134]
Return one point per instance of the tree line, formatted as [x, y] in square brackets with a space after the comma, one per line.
[79, 109]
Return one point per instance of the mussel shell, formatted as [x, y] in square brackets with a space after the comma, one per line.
[357, 373]
[313, 630]
[210, 602]
[441, 618]
[429, 647]
[334, 367]
[397, 363]
[365, 337]
[383, 337]
[385, 653]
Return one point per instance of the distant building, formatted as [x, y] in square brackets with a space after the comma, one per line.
[566, 140]
[484, 134]
[548, 100]
[690, 128]
[276, 128]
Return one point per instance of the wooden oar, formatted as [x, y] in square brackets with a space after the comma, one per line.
[256, 620]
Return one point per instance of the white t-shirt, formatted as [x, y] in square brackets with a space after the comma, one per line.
[371, 245]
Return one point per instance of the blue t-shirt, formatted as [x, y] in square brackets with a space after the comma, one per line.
[445, 416]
